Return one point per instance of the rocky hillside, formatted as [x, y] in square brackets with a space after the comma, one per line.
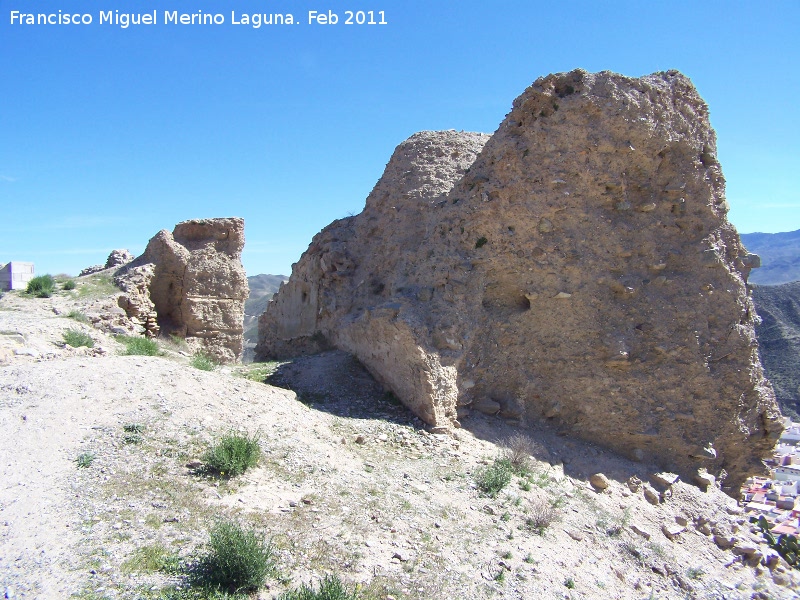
[779, 341]
[780, 256]
[102, 495]
[262, 288]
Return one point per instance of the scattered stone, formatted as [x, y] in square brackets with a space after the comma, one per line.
[599, 481]
[704, 479]
[575, 535]
[672, 531]
[634, 483]
[724, 542]
[487, 406]
[651, 495]
[638, 529]
[360, 439]
[664, 479]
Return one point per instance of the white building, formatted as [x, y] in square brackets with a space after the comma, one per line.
[787, 473]
[791, 434]
[16, 275]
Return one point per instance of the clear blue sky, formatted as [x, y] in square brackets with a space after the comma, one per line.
[108, 135]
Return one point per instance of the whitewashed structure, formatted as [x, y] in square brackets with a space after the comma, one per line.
[16, 275]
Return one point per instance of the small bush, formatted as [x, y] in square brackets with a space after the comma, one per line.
[203, 362]
[77, 315]
[330, 588]
[85, 460]
[518, 450]
[69, 284]
[482, 241]
[41, 286]
[238, 560]
[494, 477]
[542, 514]
[138, 346]
[77, 338]
[569, 582]
[695, 573]
[232, 455]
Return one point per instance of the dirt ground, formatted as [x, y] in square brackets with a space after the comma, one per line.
[349, 483]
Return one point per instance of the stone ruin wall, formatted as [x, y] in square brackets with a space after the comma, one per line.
[191, 283]
[577, 267]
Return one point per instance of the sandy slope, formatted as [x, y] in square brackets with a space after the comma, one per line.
[348, 483]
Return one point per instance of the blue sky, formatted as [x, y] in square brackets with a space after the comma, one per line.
[108, 134]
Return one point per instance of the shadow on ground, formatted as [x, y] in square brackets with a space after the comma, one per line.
[337, 383]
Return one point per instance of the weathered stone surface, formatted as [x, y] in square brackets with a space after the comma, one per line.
[577, 266]
[117, 258]
[191, 283]
[599, 481]
[672, 531]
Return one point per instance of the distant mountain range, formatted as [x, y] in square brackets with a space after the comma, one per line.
[780, 256]
[779, 341]
[262, 288]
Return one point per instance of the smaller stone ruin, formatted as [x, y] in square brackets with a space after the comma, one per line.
[191, 283]
[116, 259]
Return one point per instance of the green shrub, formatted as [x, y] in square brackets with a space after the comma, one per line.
[77, 338]
[85, 460]
[203, 362]
[494, 477]
[238, 560]
[481, 242]
[330, 588]
[77, 316]
[138, 346]
[41, 286]
[69, 284]
[232, 455]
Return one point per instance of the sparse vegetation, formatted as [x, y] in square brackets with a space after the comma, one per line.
[482, 241]
[77, 338]
[95, 286]
[494, 477]
[203, 362]
[77, 315]
[41, 286]
[69, 284]
[785, 545]
[694, 573]
[232, 455]
[152, 558]
[541, 515]
[138, 346]
[237, 560]
[569, 583]
[330, 588]
[518, 450]
[85, 460]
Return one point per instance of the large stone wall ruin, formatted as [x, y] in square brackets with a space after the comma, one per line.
[191, 283]
[577, 266]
